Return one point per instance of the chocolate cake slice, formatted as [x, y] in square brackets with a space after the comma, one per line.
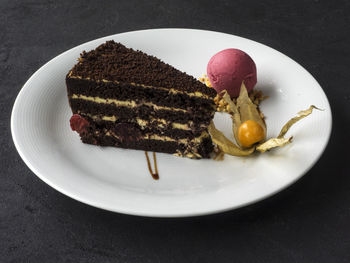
[125, 98]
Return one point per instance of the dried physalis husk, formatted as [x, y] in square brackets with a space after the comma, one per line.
[225, 144]
[301, 114]
[280, 141]
[244, 109]
[235, 115]
[248, 110]
[272, 143]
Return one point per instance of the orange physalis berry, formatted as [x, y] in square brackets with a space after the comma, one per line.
[250, 132]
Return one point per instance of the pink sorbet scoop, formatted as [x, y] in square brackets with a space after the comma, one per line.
[227, 69]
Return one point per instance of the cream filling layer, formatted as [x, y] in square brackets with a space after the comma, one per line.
[127, 103]
[143, 123]
[196, 140]
[172, 91]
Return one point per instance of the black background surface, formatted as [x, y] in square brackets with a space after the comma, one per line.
[308, 222]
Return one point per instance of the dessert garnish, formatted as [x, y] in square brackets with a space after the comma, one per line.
[232, 73]
[249, 127]
[280, 140]
[227, 70]
[249, 133]
[256, 96]
[78, 123]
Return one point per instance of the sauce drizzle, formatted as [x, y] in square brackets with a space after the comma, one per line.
[155, 175]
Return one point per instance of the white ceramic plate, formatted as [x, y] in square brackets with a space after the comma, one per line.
[118, 180]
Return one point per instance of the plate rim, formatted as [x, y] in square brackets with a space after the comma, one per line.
[15, 138]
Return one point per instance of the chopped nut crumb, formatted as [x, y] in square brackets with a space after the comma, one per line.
[256, 97]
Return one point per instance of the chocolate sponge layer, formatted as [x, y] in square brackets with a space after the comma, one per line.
[143, 112]
[204, 149]
[150, 128]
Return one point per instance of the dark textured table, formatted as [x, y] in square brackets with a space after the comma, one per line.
[308, 222]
